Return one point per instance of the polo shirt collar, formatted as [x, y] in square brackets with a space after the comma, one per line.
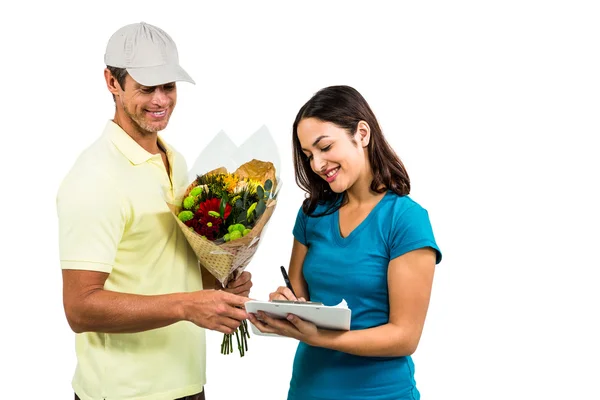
[135, 153]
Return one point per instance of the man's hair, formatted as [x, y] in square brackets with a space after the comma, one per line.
[120, 74]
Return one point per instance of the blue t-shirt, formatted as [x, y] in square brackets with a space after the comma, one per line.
[354, 268]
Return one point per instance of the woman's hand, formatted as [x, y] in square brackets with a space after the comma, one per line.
[284, 293]
[293, 327]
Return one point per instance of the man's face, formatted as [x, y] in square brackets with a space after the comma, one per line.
[148, 108]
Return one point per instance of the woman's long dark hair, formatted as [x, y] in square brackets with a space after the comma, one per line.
[346, 107]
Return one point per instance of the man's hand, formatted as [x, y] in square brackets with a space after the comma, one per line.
[241, 286]
[216, 310]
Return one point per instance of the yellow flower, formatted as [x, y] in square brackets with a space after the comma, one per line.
[252, 185]
[230, 182]
[235, 198]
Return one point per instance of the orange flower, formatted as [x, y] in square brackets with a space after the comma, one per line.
[230, 181]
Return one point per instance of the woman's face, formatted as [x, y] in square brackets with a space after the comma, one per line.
[336, 157]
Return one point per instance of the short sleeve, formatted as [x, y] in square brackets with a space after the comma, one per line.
[180, 171]
[91, 220]
[411, 231]
[300, 227]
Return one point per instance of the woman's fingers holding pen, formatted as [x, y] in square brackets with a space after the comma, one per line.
[282, 293]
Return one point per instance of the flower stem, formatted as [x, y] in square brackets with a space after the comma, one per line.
[247, 334]
[240, 348]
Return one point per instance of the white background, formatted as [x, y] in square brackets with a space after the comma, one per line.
[492, 106]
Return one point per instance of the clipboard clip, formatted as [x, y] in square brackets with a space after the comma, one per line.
[317, 303]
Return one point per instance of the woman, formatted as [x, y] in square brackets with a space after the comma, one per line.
[358, 237]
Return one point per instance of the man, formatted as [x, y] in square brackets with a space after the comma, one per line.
[132, 288]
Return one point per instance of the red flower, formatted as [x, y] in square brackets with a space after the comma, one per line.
[209, 227]
[205, 224]
[192, 222]
[213, 204]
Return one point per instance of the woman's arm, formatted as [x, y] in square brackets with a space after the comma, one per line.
[410, 278]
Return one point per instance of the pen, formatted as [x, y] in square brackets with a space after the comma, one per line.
[287, 281]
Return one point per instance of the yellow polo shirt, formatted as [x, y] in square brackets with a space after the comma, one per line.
[113, 218]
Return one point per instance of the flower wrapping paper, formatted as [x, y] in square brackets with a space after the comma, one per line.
[257, 158]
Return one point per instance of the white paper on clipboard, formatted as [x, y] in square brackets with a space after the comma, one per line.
[327, 317]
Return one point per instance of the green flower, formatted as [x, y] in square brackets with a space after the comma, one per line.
[250, 210]
[196, 191]
[185, 215]
[214, 214]
[236, 227]
[189, 202]
[235, 235]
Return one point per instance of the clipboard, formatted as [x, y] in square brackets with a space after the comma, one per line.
[326, 317]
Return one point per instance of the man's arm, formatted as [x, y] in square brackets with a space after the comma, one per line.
[90, 308]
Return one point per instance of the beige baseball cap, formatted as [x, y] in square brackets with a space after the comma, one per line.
[147, 53]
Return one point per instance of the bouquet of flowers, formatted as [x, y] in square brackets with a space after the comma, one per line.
[222, 215]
